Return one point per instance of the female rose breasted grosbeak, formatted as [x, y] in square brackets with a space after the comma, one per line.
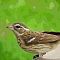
[35, 42]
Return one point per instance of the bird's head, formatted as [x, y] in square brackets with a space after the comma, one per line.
[19, 27]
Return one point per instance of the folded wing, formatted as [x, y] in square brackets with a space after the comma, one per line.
[45, 37]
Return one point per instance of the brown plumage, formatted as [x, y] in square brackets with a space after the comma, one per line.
[35, 42]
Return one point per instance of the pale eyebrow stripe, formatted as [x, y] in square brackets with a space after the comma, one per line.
[17, 24]
[31, 40]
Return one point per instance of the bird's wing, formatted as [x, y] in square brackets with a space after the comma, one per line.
[50, 37]
[45, 37]
[54, 33]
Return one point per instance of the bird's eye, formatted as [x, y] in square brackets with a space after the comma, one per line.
[18, 27]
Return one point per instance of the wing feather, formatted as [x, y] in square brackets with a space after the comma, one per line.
[41, 37]
[54, 33]
[45, 37]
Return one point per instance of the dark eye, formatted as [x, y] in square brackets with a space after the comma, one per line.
[18, 27]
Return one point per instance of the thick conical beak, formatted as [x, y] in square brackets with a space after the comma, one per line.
[10, 27]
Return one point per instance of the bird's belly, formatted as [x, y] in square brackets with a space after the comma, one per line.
[39, 48]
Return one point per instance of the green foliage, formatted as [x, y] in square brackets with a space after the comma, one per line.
[38, 15]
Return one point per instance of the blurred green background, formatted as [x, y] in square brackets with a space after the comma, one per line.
[38, 15]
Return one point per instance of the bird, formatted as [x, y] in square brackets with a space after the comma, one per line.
[38, 43]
